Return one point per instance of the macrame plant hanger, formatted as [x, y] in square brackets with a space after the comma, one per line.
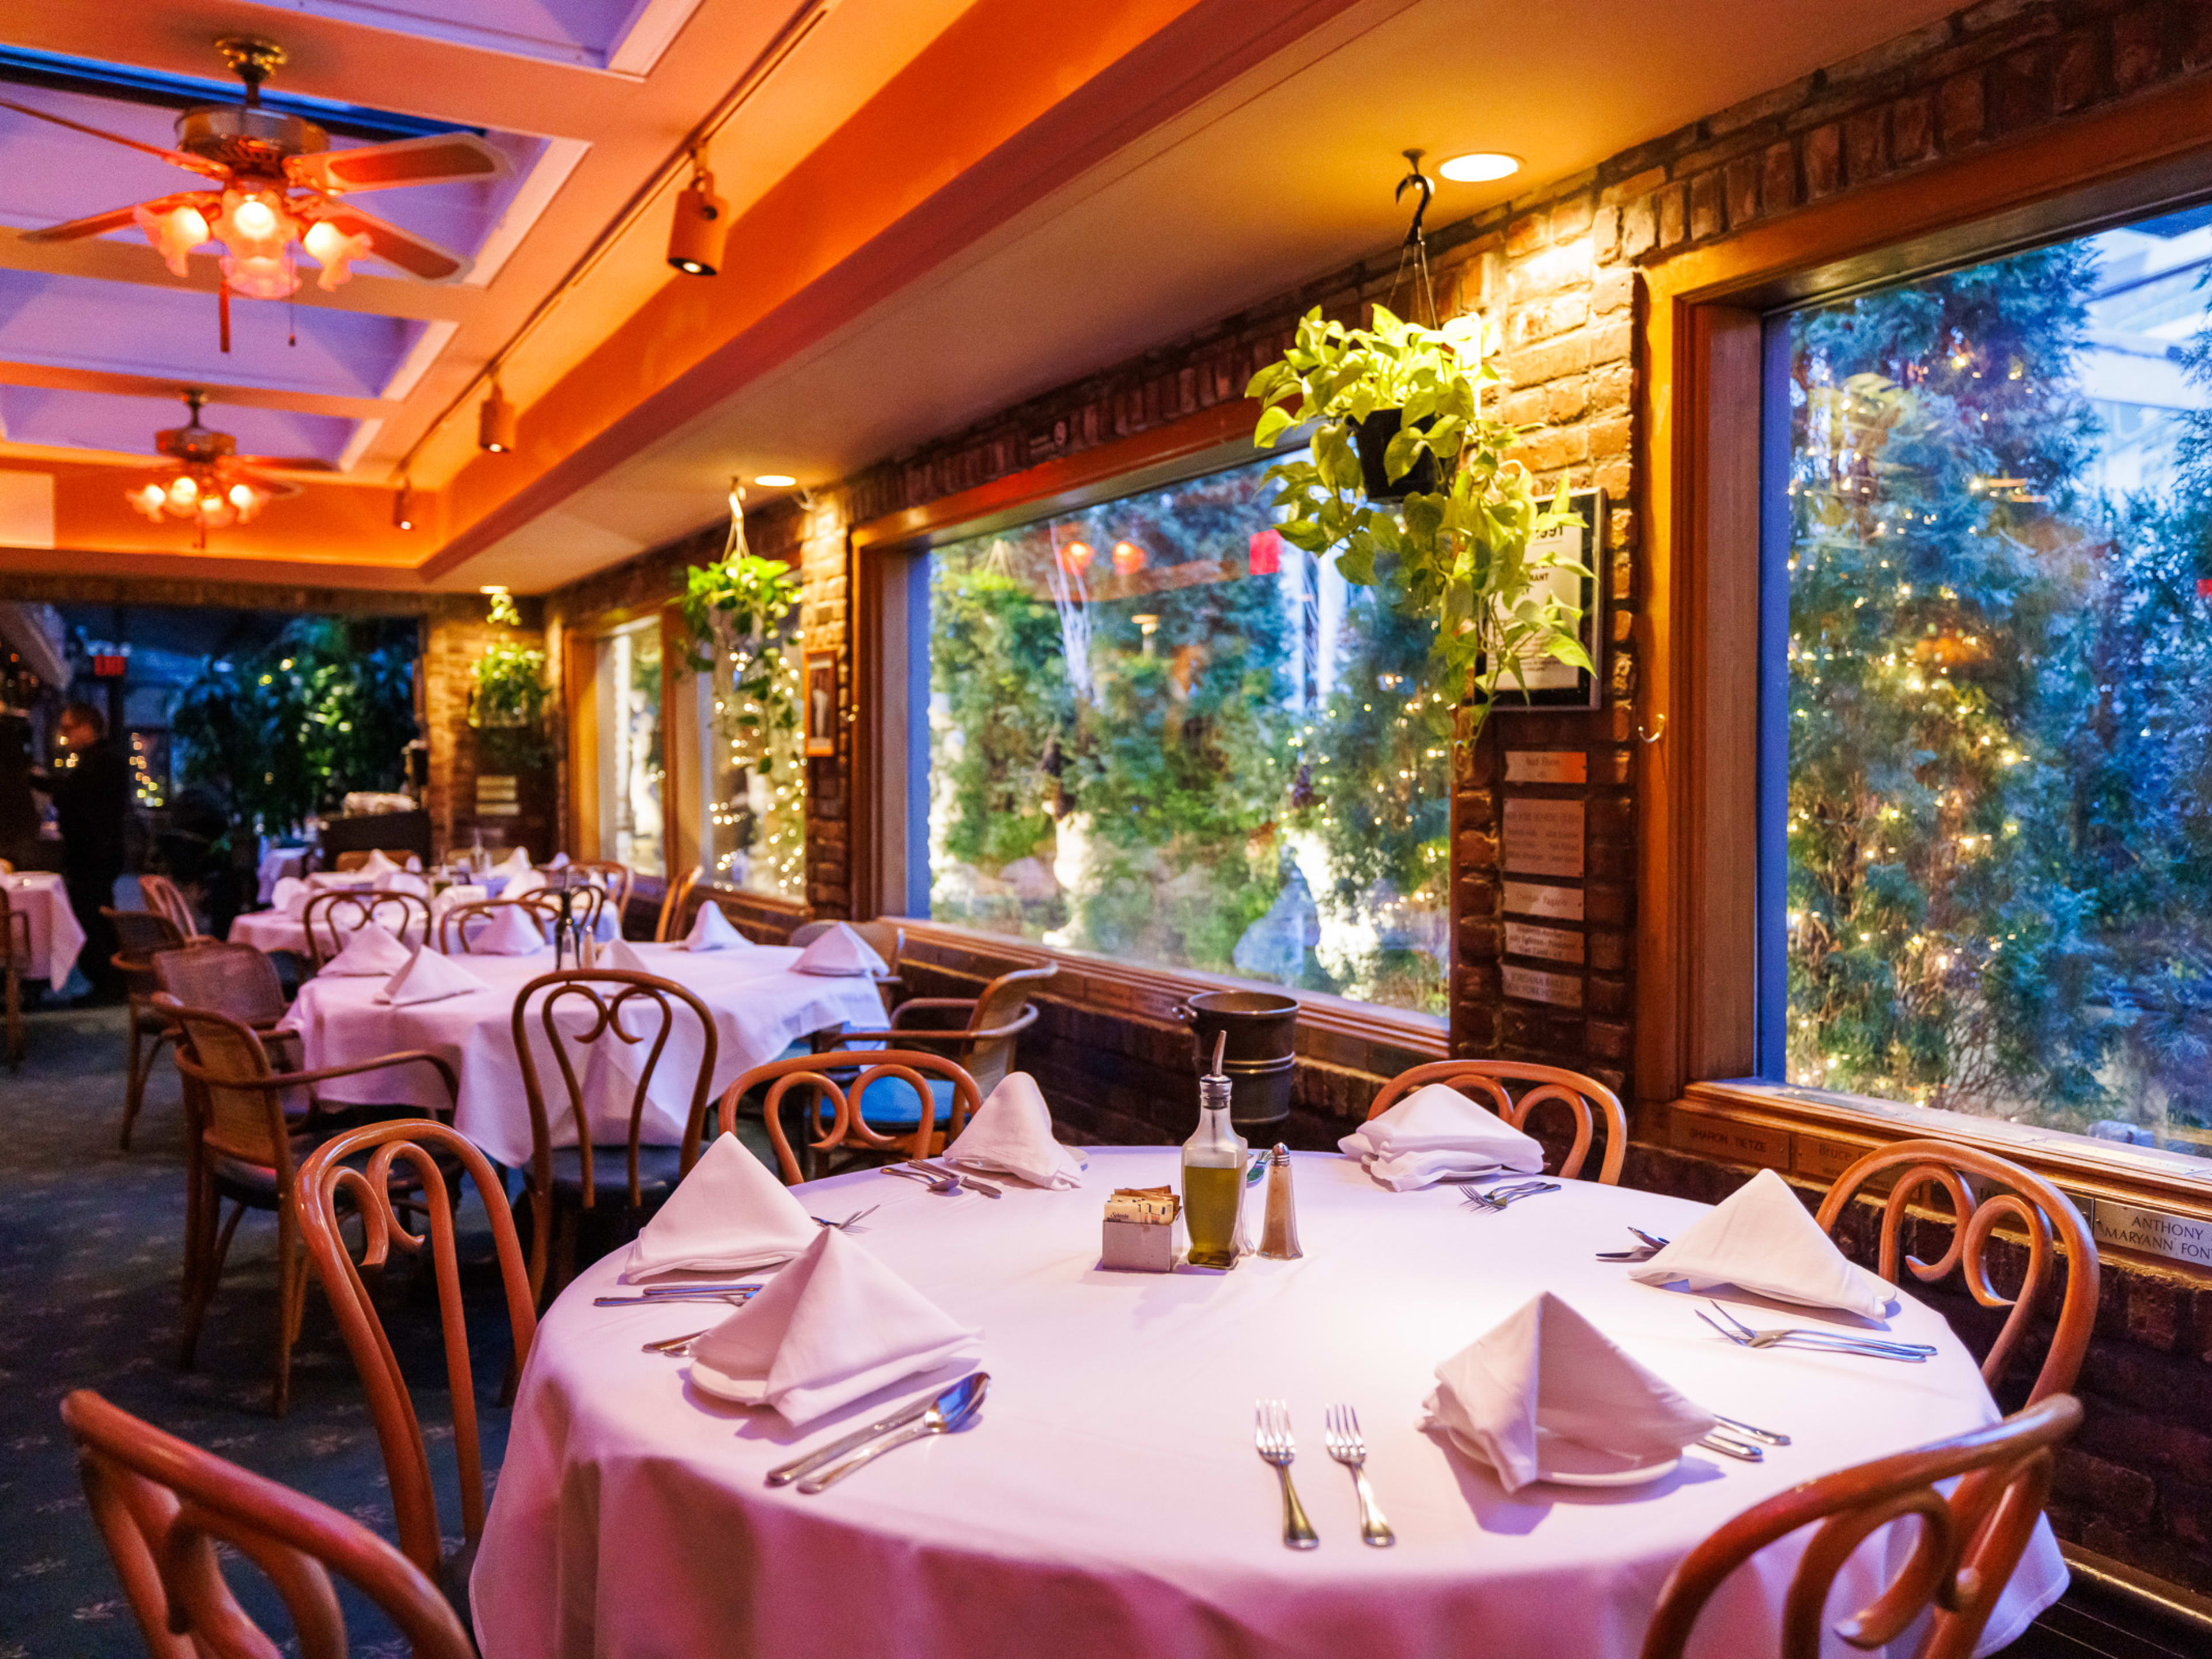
[1414, 250]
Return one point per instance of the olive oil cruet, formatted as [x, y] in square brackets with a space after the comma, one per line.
[1213, 1160]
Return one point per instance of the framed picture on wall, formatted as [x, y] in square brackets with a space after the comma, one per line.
[1551, 684]
[821, 702]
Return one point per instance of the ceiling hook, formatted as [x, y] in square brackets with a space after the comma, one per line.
[1427, 187]
[1656, 731]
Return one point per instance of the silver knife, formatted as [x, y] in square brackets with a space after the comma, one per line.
[785, 1474]
[966, 1180]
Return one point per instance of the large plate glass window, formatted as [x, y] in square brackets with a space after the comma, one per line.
[1159, 732]
[632, 768]
[1998, 689]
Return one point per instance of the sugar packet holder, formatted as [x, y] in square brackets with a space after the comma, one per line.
[1139, 1230]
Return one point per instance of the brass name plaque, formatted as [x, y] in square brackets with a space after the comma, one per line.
[1530, 898]
[2153, 1232]
[1546, 766]
[1556, 943]
[1725, 1138]
[1544, 838]
[1533, 985]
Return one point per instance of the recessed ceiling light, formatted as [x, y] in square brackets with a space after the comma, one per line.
[775, 480]
[1481, 167]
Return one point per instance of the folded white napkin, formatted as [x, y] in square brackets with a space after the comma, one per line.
[513, 931]
[1546, 1393]
[711, 930]
[617, 953]
[372, 951]
[560, 861]
[1435, 1132]
[834, 1325]
[840, 953]
[529, 881]
[400, 881]
[376, 864]
[459, 893]
[1012, 1131]
[1760, 1238]
[428, 977]
[516, 863]
[290, 895]
[729, 1215]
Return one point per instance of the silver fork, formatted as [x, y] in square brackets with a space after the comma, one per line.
[1349, 1447]
[1499, 1197]
[824, 1221]
[1272, 1436]
[1745, 1336]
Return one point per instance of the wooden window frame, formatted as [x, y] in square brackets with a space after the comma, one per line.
[579, 677]
[1175, 450]
[1700, 366]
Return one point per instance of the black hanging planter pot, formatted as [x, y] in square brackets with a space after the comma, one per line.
[1371, 437]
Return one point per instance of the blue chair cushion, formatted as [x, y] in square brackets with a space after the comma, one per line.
[891, 1103]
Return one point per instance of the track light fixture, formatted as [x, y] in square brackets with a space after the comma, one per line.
[403, 507]
[694, 239]
[495, 422]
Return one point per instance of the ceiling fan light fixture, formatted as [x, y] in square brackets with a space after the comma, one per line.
[495, 423]
[1481, 167]
[334, 251]
[696, 237]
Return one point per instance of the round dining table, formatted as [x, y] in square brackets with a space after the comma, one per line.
[759, 1002]
[1108, 1501]
[56, 937]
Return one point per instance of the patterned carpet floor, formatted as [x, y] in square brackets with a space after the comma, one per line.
[90, 1247]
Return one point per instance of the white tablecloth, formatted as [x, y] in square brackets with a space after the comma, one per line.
[56, 939]
[1108, 1502]
[760, 1005]
[275, 930]
[278, 862]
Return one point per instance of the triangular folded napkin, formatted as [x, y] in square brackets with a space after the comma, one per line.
[290, 895]
[516, 863]
[834, 1325]
[729, 1215]
[560, 861]
[465, 892]
[513, 931]
[428, 977]
[840, 953]
[711, 930]
[401, 881]
[1435, 1132]
[376, 864]
[1546, 1392]
[373, 950]
[530, 881]
[618, 953]
[1761, 1239]
[1011, 1131]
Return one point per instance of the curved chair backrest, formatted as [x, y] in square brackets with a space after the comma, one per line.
[618, 879]
[1490, 1082]
[333, 916]
[1970, 1540]
[411, 1147]
[675, 904]
[2020, 1197]
[138, 934]
[455, 923]
[587, 899]
[236, 980]
[848, 1126]
[605, 996]
[163, 1506]
[164, 898]
[1000, 1004]
[240, 1111]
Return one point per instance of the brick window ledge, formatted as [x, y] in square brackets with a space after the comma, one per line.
[1816, 1134]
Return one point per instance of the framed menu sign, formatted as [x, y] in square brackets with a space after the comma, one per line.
[1545, 682]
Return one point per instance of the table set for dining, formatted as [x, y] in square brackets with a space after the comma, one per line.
[922, 1417]
[56, 939]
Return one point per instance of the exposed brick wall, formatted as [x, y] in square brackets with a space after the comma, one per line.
[452, 641]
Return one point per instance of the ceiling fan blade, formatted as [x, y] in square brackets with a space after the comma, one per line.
[175, 158]
[434, 160]
[415, 254]
[275, 489]
[100, 224]
[288, 463]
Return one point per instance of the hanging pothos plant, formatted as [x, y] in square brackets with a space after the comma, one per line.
[736, 610]
[1459, 537]
[506, 704]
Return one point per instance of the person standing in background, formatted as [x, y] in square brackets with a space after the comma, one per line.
[91, 789]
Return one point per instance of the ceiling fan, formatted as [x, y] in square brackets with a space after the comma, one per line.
[212, 484]
[273, 182]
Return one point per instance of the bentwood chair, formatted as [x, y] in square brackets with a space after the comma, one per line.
[336, 1181]
[246, 1149]
[165, 898]
[2002, 1194]
[637, 1017]
[138, 935]
[168, 1510]
[976, 1032]
[203, 973]
[676, 906]
[886, 938]
[331, 917]
[1494, 1081]
[842, 1080]
[616, 878]
[14, 958]
[459, 923]
[1970, 1538]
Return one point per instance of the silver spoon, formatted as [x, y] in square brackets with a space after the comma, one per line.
[948, 1411]
[935, 1183]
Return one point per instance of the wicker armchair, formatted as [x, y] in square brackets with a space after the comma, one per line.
[138, 935]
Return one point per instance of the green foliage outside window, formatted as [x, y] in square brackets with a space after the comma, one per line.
[506, 705]
[327, 709]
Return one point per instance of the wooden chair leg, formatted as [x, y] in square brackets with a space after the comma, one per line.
[211, 1272]
[141, 1065]
[15, 1015]
[291, 1306]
